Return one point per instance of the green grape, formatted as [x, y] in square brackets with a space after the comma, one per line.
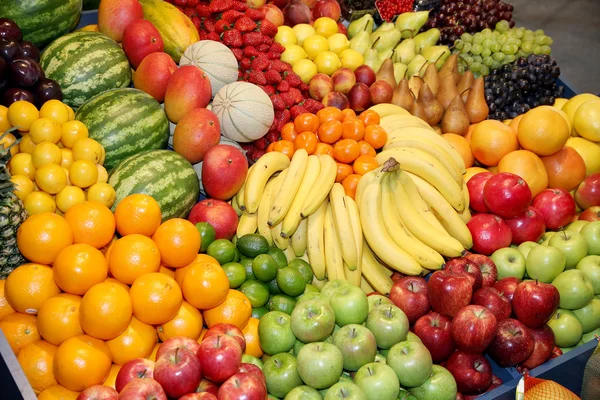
[539, 32]
[502, 26]
[510, 58]
[484, 70]
[549, 42]
[540, 40]
[477, 58]
[486, 31]
[496, 64]
[467, 59]
[461, 68]
[486, 52]
[527, 47]
[488, 61]
[520, 33]
[467, 37]
[459, 45]
[498, 56]
[487, 43]
[502, 39]
[546, 50]
[521, 53]
[477, 49]
[507, 48]
[466, 48]
[495, 47]
[477, 38]
[475, 66]
[537, 49]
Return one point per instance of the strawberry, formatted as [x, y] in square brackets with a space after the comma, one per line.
[273, 136]
[252, 39]
[261, 143]
[257, 78]
[293, 79]
[303, 87]
[197, 22]
[190, 12]
[213, 36]
[277, 47]
[296, 95]
[250, 51]
[278, 102]
[232, 38]
[221, 26]
[203, 10]
[267, 28]
[240, 6]
[258, 153]
[283, 86]
[219, 6]
[273, 55]
[267, 40]
[255, 14]
[231, 16]
[281, 118]
[260, 63]
[262, 48]
[238, 54]
[192, 3]
[245, 64]
[297, 110]
[288, 99]
[247, 146]
[208, 24]
[273, 77]
[313, 105]
[387, 9]
[245, 24]
[269, 90]
[280, 66]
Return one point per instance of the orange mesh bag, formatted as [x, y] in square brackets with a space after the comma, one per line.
[531, 388]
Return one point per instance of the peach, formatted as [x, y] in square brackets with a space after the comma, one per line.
[319, 86]
[336, 99]
[274, 14]
[343, 80]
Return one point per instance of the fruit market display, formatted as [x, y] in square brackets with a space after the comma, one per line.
[227, 200]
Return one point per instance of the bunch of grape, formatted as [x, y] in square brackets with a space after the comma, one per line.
[21, 77]
[488, 50]
[516, 88]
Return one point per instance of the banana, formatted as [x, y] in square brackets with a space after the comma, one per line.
[465, 216]
[343, 225]
[305, 257]
[236, 206]
[285, 196]
[425, 255]
[247, 224]
[364, 181]
[428, 168]
[299, 239]
[466, 194]
[390, 121]
[279, 241]
[315, 247]
[421, 205]
[364, 285]
[354, 276]
[292, 218]
[333, 252]
[376, 275]
[445, 213]
[239, 197]
[257, 178]
[262, 215]
[385, 109]
[321, 186]
[289, 254]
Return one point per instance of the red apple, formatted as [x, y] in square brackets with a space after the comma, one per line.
[178, 371]
[224, 171]
[199, 396]
[365, 74]
[178, 342]
[296, 13]
[534, 303]
[435, 331]
[343, 80]
[229, 330]
[337, 100]
[135, 369]
[556, 352]
[489, 232]
[507, 287]
[513, 343]
[273, 14]
[221, 357]
[153, 74]
[327, 8]
[462, 265]
[342, 28]
[207, 386]
[507, 195]
[410, 295]
[140, 39]
[320, 86]
[196, 133]
[556, 206]
[253, 369]
[473, 328]
[115, 15]
[219, 214]
[396, 276]
[188, 88]
[98, 392]
[381, 92]
[588, 193]
[146, 388]
[472, 372]
[494, 301]
[591, 214]
[448, 291]
[543, 344]
[359, 97]
[475, 186]
[488, 269]
[243, 386]
[528, 226]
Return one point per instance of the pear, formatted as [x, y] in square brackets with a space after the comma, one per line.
[371, 58]
[411, 21]
[361, 42]
[405, 51]
[417, 111]
[436, 54]
[432, 108]
[464, 84]
[364, 23]
[414, 67]
[386, 72]
[385, 39]
[426, 39]
[447, 90]
[476, 106]
[414, 84]
[451, 67]
[456, 120]
[431, 77]
[385, 54]
[399, 71]
[384, 27]
[403, 96]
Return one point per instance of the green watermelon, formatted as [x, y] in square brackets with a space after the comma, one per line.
[85, 64]
[163, 174]
[126, 122]
[42, 21]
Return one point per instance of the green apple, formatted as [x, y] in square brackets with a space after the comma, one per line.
[332, 286]
[576, 226]
[566, 327]
[572, 244]
[591, 233]
[589, 316]
[546, 237]
[411, 361]
[525, 247]
[378, 381]
[303, 393]
[275, 333]
[310, 296]
[378, 299]
[350, 305]
[297, 346]
[405, 395]
[545, 263]
[357, 344]
[411, 337]
[509, 262]
[439, 386]
[281, 373]
[345, 391]
[320, 365]
[380, 358]
[575, 289]
[590, 335]
[312, 320]
[389, 324]
[248, 359]
[590, 266]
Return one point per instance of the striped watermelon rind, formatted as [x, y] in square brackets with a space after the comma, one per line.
[163, 174]
[85, 64]
[126, 122]
[42, 21]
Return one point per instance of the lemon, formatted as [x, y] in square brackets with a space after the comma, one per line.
[22, 114]
[102, 174]
[68, 197]
[293, 53]
[586, 120]
[314, 45]
[303, 31]
[338, 42]
[22, 164]
[67, 174]
[7, 140]
[55, 110]
[67, 157]
[103, 193]
[327, 62]
[71, 113]
[51, 178]
[87, 149]
[39, 202]
[559, 103]
[4, 124]
[589, 151]
[351, 59]
[102, 156]
[325, 27]
[26, 144]
[23, 186]
[45, 130]
[71, 131]
[83, 173]
[305, 69]
[571, 106]
[46, 153]
[285, 35]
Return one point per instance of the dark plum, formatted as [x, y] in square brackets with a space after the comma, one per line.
[3, 68]
[24, 72]
[3, 85]
[10, 49]
[15, 94]
[10, 30]
[30, 51]
[47, 89]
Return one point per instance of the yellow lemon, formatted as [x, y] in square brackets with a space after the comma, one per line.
[68, 197]
[51, 178]
[102, 174]
[305, 69]
[39, 202]
[293, 53]
[103, 193]
[314, 45]
[23, 186]
[285, 35]
[22, 114]
[303, 31]
[4, 124]
[71, 131]
[83, 173]
[46, 153]
[55, 110]
[325, 27]
[589, 151]
[571, 106]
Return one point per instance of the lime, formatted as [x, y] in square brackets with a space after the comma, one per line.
[252, 245]
[282, 302]
[258, 312]
[247, 263]
[310, 288]
[264, 267]
[236, 273]
[207, 234]
[222, 250]
[290, 281]
[256, 291]
[236, 255]
[303, 267]
[279, 256]
[273, 288]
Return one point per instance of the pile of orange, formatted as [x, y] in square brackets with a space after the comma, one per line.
[351, 140]
[89, 301]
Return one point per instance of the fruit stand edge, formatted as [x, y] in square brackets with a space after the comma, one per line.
[13, 382]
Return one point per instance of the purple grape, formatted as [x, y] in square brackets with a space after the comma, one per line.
[47, 89]
[29, 50]
[15, 94]
[10, 30]
[24, 72]
[3, 68]
[10, 49]
[511, 24]
[3, 85]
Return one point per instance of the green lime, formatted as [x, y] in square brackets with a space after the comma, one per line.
[247, 263]
[303, 267]
[252, 245]
[256, 291]
[310, 288]
[290, 281]
[222, 250]
[258, 312]
[279, 256]
[273, 288]
[207, 234]
[264, 267]
[282, 302]
[236, 255]
[236, 273]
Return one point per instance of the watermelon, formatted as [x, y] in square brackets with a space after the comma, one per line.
[42, 21]
[163, 174]
[126, 122]
[85, 64]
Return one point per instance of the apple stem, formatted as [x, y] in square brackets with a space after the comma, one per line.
[388, 312]
[564, 232]
[353, 333]
[177, 355]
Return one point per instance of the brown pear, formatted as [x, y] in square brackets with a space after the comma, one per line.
[447, 90]
[450, 66]
[414, 84]
[465, 83]
[432, 78]
[386, 73]
[433, 109]
[456, 119]
[476, 106]
[417, 111]
[403, 96]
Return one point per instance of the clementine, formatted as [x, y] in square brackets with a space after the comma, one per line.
[58, 319]
[205, 285]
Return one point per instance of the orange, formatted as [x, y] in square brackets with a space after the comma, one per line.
[270, 147]
[306, 141]
[343, 171]
[152, 355]
[138, 213]
[36, 361]
[364, 164]
[470, 132]
[543, 130]
[365, 149]
[462, 146]
[528, 166]
[236, 310]
[330, 131]
[376, 136]
[137, 341]
[491, 140]
[350, 183]
[78, 267]
[5, 308]
[306, 122]
[346, 151]
[353, 128]
[369, 117]
[514, 123]
[330, 114]
[180, 272]
[288, 132]
[133, 256]
[58, 319]
[58, 392]
[92, 223]
[473, 171]
[178, 241]
[286, 147]
[168, 271]
[348, 113]
[112, 376]
[187, 323]
[565, 168]
[105, 311]
[81, 361]
[42, 236]
[250, 332]
[113, 280]
[29, 286]
[324, 148]
[205, 285]
[156, 298]
[20, 330]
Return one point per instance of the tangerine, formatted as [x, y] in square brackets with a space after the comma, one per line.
[306, 141]
[306, 122]
[350, 183]
[346, 151]
[376, 136]
[250, 332]
[330, 131]
[58, 319]
[178, 241]
[364, 164]
[343, 171]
